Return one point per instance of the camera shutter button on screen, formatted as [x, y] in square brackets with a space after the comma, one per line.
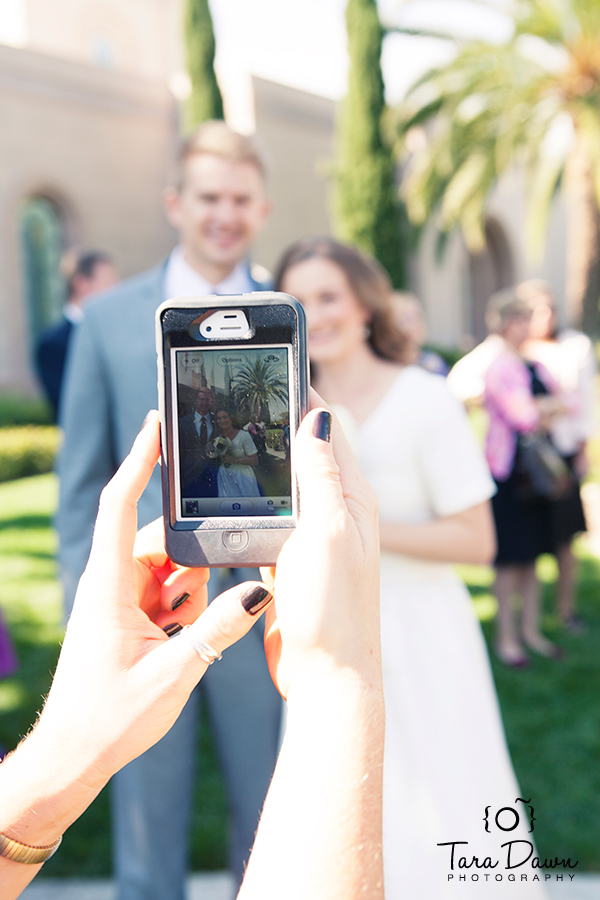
[235, 541]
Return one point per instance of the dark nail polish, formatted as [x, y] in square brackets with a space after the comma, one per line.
[255, 599]
[172, 629]
[179, 600]
[322, 426]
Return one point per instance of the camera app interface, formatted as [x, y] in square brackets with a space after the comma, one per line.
[233, 431]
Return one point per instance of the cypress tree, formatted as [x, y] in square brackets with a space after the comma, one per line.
[205, 101]
[367, 209]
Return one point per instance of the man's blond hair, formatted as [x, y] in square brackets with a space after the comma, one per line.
[216, 138]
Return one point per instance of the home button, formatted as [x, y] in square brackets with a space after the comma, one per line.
[235, 541]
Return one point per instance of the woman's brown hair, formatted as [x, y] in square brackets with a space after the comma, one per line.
[369, 282]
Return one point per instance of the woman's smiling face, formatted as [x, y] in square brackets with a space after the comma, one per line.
[223, 420]
[336, 320]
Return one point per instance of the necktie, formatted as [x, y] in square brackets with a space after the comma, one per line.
[203, 432]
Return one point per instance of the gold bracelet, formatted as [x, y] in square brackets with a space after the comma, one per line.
[23, 853]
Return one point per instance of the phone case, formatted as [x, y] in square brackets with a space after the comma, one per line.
[275, 318]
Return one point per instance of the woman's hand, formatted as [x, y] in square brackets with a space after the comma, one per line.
[320, 831]
[120, 682]
[326, 584]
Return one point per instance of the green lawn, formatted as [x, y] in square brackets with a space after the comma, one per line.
[551, 713]
[551, 710]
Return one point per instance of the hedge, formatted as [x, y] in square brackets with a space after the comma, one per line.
[20, 410]
[29, 450]
[274, 438]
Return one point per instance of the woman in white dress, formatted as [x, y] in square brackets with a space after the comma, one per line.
[236, 477]
[446, 758]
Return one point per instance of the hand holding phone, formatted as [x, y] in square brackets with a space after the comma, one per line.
[233, 388]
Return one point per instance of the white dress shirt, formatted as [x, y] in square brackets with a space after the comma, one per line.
[73, 312]
[181, 280]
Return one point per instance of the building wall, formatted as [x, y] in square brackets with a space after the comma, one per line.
[96, 142]
[136, 37]
[296, 130]
[445, 286]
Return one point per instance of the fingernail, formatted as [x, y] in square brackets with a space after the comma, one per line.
[172, 629]
[255, 599]
[322, 426]
[179, 600]
[147, 419]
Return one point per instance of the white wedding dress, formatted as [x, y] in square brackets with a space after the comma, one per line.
[236, 479]
[446, 758]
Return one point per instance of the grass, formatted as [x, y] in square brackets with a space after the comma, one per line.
[551, 714]
[551, 710]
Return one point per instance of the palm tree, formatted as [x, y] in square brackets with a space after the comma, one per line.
[532, 101]
[257, 383]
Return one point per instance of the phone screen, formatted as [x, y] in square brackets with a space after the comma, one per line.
[232, 431]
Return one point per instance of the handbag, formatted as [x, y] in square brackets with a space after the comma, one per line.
[542, 471]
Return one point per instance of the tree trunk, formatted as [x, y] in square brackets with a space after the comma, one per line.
[583, 244]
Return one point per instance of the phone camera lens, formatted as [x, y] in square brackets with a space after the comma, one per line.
[209, 327]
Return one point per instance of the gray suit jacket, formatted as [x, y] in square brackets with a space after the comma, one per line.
[110, 385]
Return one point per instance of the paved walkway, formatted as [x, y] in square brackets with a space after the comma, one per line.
[217, 886]
[204, 886]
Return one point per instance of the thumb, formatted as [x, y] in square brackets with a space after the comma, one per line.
[318, 473]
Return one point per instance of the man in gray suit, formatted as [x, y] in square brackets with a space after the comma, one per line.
[218, 206]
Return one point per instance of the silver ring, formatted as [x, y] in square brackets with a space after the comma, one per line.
[206, 653]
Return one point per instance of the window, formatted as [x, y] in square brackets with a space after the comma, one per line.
[43, 243]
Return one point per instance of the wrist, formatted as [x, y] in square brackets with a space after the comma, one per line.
[44, 788]
[324, 677]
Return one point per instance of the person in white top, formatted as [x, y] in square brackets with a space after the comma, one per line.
[466, 379]
[445, 755]
[569, 357]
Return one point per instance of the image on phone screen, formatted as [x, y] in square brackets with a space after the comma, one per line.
[232, 431]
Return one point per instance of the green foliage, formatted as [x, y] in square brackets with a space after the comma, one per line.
[205, 101]
[535, 101]
[450, 355]
[367, 208]
[274, 438]
[18, 410]
[29, 450]
[255, 384]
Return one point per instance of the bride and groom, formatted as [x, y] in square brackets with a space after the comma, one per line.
[217, 457]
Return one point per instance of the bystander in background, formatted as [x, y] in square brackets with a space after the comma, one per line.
[521, 399]
[410, 319]
[85, 272]
[569, 357]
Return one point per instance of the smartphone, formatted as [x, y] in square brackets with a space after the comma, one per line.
[233, 389]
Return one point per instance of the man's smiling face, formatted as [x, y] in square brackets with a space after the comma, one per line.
[218, 211]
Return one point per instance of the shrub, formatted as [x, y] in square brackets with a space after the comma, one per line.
[29, 450]
[19, 410]
[274, 438]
